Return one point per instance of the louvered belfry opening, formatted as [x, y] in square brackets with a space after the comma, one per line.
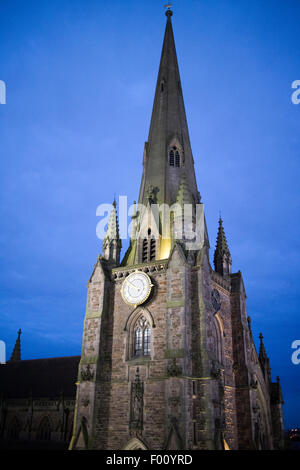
[145, 250]
[148, 248]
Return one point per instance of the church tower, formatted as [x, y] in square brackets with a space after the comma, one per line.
[168, 360]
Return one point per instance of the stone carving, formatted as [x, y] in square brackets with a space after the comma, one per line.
[137, 403]
[173, 370]
[253, 382]
[215, 371]
[85, 402]
[151, 193]
[174, 403]
[87, 374]
[255, 408]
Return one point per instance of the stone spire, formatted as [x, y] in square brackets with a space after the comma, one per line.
[264, 360]
[16, 354]
[168, 151]
[168, 164]
[112, 244]
[222, 257]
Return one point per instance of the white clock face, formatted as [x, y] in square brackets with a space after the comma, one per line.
[136, 288]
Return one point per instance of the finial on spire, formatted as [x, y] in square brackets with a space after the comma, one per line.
[169, 12]
[134, 212]
[262, 350]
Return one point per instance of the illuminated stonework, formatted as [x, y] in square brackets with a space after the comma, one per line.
[181, 370]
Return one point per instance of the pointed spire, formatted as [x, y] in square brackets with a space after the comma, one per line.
[112, 244]
[167, 158]
[262, 351]
[168, 130]
[16, 354]
[221, 239]
[222, 257]
[264, 360]
[112, 232]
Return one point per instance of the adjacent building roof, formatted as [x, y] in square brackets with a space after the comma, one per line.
[39, 378]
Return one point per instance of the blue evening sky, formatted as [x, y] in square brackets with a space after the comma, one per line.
[80, 78]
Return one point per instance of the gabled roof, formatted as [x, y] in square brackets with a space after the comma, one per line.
[39, 378]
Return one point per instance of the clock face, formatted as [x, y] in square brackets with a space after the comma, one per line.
[136, 288]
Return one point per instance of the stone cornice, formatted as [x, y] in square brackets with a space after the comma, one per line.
[118, 274]
[220, 281]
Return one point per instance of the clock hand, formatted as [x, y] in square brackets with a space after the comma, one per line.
[132, 285]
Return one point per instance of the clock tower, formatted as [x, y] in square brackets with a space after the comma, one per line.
[168, 359]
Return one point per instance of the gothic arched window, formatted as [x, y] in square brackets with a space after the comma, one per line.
[217, 340]
[142, 337]
[44, 430]
[174, 157]
[171, 157]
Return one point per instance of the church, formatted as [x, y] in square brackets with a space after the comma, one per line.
[168, 359]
